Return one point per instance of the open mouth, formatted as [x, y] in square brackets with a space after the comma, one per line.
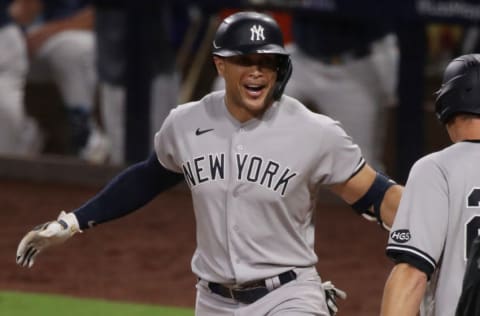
[254, 89]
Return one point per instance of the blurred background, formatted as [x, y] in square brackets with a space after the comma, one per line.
[91, 81]
[84, 85]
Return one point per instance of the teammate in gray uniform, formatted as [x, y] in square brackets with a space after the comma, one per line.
[439, 214]
[253, 160]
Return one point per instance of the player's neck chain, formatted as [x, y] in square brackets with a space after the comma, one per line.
[199, 132]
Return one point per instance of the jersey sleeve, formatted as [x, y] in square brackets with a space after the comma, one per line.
[341, 158]
[165, 144]
[418, 233]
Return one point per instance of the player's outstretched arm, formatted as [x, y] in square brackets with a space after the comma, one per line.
[44, 236]
[127, 192]
[372, 194]
[403, 291]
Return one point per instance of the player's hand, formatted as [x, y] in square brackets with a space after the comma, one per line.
[331, 294]
[44, 236]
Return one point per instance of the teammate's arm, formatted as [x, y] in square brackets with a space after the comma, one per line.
[367, 186]
[403, 291]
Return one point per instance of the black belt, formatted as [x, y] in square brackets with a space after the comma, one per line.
[251, 292]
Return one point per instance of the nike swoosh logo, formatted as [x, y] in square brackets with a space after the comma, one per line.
[200, 132]
[215, 45]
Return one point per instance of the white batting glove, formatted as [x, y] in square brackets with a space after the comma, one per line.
[331, 294]
[44, 236]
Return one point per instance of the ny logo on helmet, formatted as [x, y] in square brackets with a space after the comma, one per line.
[257, 33]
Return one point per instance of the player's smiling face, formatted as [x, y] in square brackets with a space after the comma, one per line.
[249, 83]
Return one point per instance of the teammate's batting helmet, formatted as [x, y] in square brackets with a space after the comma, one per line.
[460, 91]
[252, 32]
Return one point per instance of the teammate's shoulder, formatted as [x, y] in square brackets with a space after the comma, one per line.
[432, 162]
[454, 152]
[456, 156]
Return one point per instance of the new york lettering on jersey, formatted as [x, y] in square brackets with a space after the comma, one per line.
[249, 168]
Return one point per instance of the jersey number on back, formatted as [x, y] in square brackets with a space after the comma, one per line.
[473, 225]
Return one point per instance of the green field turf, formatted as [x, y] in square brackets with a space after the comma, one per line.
[23, 304]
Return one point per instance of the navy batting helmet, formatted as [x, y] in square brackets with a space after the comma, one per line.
[254, 33]
[460, 90]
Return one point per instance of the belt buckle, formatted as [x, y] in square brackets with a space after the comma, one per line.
[232, 290]
[242, 293]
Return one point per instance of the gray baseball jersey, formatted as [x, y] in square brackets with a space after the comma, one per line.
[254, 184]
[438, 218]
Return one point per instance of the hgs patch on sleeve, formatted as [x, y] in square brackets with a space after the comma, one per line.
[401, 235]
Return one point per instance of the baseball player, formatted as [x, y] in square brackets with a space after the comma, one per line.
[253, 159]
[439, 214]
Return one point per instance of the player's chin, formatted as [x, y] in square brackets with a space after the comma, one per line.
[257, 100]
[257, 105]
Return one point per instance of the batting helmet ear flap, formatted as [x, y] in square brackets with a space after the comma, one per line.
[283, 75]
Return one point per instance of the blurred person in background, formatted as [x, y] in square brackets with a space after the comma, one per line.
[61, 48]
[471, 39]
[19, 134]
[139, 82]
[347, 68]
